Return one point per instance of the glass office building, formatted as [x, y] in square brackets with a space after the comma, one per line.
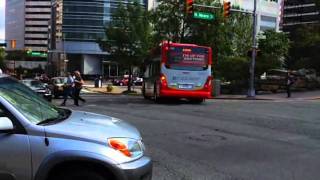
[82, 24]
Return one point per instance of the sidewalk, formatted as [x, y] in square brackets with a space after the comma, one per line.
[307, 95]
[117, 90]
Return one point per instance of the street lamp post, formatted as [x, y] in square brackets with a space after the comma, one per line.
[252, 91]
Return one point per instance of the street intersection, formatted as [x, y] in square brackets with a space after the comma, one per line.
[222, 139]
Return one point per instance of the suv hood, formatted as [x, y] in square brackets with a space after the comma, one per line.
[92, 128]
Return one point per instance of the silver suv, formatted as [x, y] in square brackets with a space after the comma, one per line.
[39, 141]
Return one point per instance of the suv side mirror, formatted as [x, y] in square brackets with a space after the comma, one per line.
[6, 125]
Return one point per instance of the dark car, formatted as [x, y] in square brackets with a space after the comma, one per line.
[57, 86]
[38, 87]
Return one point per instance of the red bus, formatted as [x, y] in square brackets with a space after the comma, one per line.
[178, 71]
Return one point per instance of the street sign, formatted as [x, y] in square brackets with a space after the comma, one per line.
[203, 15]
[37, 54]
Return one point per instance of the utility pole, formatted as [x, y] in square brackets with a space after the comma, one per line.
[252, 91]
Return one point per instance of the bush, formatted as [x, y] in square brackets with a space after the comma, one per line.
[109, 88]
[233, 69]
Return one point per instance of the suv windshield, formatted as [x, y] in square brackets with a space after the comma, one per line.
[33, 107]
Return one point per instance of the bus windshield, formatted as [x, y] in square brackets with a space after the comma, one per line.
[193, 58]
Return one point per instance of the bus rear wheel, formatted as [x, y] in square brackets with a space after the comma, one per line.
[156, 97]
[144, 93]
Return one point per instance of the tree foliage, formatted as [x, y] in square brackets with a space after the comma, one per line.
[233, 69]
[273, 49]
[305, 49]
[128, 35]
[2, 57]
[228, 38]
[317, 3]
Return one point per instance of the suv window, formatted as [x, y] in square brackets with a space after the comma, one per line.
[28, 103]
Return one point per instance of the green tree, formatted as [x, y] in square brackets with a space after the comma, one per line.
[168, 21]
[128, 36]
[228, 38]
[273, 49]
[304, 52]
[2, 56]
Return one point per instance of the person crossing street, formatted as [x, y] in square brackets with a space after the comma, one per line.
[68, 89]
[78, 83]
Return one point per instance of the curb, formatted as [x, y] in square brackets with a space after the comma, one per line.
[265, 99]
[244, 99]
[115, 94]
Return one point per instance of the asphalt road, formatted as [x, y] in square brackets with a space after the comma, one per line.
[223, 139]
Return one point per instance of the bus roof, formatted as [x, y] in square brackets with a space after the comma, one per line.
[182, 44]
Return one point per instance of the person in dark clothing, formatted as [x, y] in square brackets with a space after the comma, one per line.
[68, 89]
[78, 83]
[290, 82]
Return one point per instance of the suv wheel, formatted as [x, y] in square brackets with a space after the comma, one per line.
[82, 174]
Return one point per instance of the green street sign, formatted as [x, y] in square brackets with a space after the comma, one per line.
[203, 15]
[37, 54]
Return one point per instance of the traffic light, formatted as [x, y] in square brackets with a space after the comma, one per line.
[189, 6]
[226, 9]
[13, 44]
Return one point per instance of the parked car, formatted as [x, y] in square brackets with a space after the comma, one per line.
[120, 82]
[125, 81]
[38, 87]
[40, 141]
[275, 80]
[137, 81]
[56, 85]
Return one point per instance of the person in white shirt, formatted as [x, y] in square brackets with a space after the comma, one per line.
[68, 89]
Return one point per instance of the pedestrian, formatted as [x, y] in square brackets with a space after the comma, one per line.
[68, 89]
[290, 82]
[78, 83]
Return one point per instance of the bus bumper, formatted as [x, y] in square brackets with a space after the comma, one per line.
[185, 94]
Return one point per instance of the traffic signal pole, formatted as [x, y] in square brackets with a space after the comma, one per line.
[251, 90]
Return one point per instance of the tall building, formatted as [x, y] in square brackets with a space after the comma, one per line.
[299, 12]
[26, 28]
[268, 12]
[79, 25]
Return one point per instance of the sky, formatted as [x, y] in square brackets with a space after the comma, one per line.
[2, 16]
